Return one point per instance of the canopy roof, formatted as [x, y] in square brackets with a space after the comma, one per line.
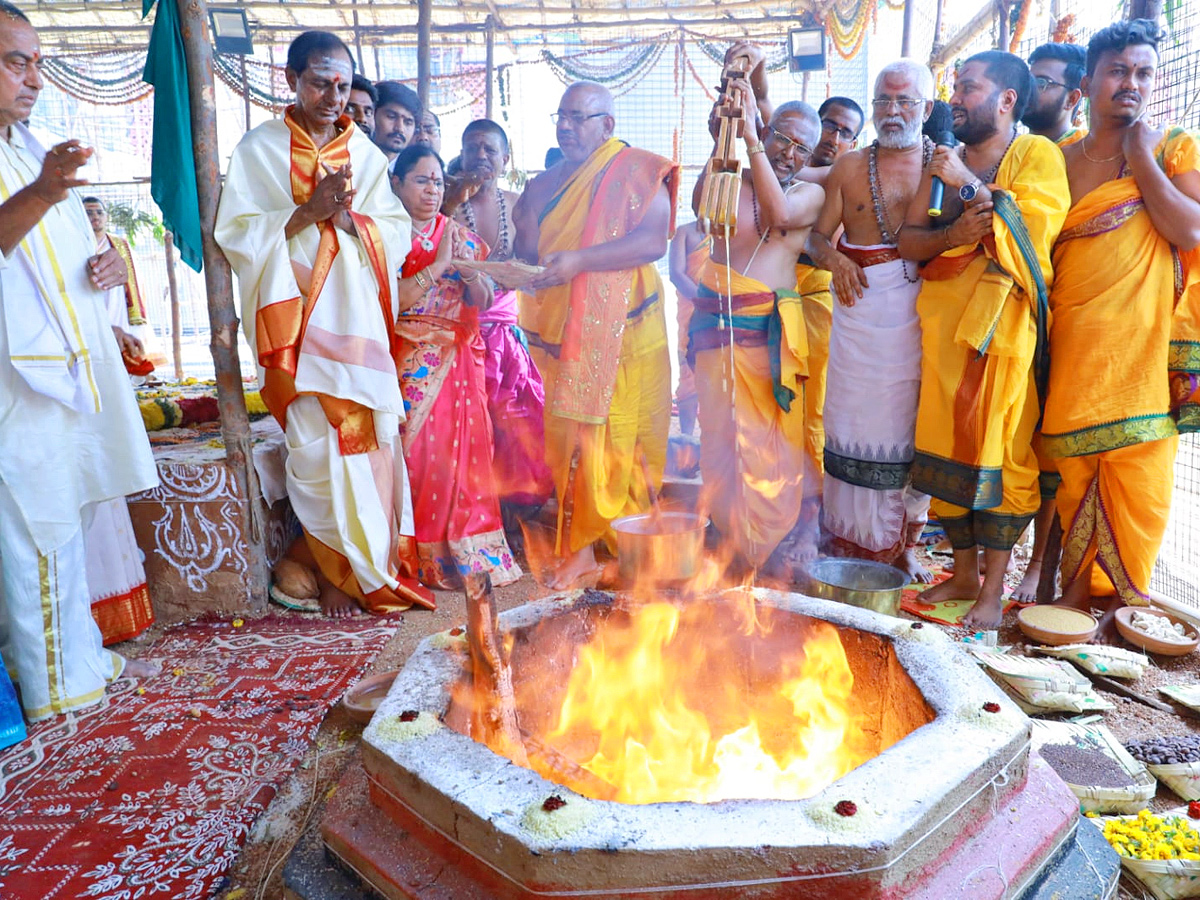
[72, 26]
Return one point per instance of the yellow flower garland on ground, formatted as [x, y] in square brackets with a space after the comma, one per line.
[1146, 836]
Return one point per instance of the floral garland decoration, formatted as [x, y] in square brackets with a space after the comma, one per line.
[846, 23]
[1019, 27]
[107, 79]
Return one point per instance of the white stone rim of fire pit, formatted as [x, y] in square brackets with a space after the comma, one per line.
[960, 755]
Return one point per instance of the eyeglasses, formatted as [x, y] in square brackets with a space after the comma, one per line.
[431, 130]
[574, 118]
[789, 143]
[884, 104]
[828, 126]
[1043, 82]
[423, 181]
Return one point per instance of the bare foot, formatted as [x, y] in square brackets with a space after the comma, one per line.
[1078, 594]
[988, 611]
[1026, 591]
[336, 603]
[576, 571]
[140, 668]
[911, 566]
[959, 586]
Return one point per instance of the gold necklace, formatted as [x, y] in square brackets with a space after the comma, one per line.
[1083, 147]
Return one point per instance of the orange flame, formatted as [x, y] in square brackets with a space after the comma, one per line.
[701, 702]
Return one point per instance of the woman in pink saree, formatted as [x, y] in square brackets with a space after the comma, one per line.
[439, 352]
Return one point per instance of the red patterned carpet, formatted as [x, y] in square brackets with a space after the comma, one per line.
[152, 792]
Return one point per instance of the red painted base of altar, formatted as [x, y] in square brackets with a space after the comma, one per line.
[375, 836]
[190, 527]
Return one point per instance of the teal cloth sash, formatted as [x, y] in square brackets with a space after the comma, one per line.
[1006, 208]
[770, 324]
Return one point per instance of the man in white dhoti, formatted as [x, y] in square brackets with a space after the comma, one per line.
[310, 225]
[875, 344]
[70, 432]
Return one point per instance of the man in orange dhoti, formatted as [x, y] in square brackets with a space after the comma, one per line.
[982, 309]
[597, 221]
[752, 456]
[1057, 70]
[1117, 332]
[312, 229]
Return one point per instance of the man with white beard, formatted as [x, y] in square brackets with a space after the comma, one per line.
[869, 509]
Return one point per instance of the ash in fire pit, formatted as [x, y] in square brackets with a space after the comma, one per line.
[701, 699]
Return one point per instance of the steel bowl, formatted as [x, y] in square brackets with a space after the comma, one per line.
[666, 548]
[859, 582]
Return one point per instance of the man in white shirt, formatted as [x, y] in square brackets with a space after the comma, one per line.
[67, 416]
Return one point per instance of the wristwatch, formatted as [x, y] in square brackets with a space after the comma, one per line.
[967, 192]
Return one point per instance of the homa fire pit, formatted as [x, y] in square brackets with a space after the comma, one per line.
[932, 792]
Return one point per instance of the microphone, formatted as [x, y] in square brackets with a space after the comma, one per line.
[936, 188]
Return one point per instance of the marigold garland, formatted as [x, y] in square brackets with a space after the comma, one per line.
[1019, 27]
[846, 23]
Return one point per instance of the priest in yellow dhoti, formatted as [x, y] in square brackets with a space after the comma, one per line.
[1122, 266]
[310, 225]
[983, 317]
[1057, 71]
[597, 221]
[812, 284]
[752, 455]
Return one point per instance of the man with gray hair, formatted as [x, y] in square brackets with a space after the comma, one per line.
[870, 510]
[70, 433]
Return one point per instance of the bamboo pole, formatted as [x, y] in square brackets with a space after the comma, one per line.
[490, 65]
[906, 36]
[246, 89]
[424, 24]
[218, 281]
[176, 316]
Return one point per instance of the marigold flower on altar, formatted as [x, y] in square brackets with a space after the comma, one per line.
[254, 404]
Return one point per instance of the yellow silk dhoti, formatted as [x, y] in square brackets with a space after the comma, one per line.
[812, 284]
[600, 343]
[979, 318]
[1108, 419]
[752, 454]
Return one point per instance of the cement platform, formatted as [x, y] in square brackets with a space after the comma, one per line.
[376, 858]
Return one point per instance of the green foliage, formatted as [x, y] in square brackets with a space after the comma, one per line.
[133, 222]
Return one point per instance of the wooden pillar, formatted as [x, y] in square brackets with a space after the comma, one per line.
[490, 68]
[906, 36]
[176, 315]
[424, 24]
[1002, 7]
[218, 282]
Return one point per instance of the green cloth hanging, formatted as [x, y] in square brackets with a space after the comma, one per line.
[172, 161]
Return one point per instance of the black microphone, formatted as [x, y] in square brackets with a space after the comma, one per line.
[936, 188]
